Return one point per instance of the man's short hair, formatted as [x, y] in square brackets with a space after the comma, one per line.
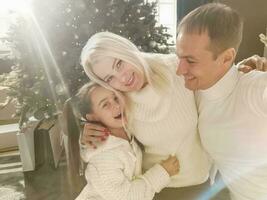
[222, 23]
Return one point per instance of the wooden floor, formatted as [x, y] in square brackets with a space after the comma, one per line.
[199, 192]
[45, 183]
[48, 183]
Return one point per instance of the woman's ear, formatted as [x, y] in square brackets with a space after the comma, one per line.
[92, 117]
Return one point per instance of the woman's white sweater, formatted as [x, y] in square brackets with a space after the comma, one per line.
[114, 173]
[168, 125]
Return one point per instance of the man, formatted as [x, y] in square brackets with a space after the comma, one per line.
[232, 106]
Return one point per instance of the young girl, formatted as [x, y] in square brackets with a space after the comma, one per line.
[114, 168]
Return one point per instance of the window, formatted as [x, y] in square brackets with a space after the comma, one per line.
[167, 15]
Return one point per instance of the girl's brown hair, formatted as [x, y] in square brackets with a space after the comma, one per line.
[72, 130]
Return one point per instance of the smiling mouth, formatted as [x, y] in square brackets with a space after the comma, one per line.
[189, 78]
[131, 80]
[118, 116]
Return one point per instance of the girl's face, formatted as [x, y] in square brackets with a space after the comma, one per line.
[106, 107]
[119, 74]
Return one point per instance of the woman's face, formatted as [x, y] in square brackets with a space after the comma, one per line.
[119, 74]
[106, 107]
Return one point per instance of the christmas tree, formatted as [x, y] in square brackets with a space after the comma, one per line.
[27, 83]
[61, 28]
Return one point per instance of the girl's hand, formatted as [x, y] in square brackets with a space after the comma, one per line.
[171, 165]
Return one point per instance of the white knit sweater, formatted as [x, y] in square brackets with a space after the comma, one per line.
[233, 129]
[168, 125]
[114, 173]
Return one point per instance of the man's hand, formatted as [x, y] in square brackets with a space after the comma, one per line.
[254, 62]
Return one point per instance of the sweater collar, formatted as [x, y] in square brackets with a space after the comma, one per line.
[149, 105]
[144, 95]
[223, 87]
[111, 143]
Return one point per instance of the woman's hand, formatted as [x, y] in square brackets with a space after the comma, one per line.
[253, 62]
[94, 134]
[171, 165]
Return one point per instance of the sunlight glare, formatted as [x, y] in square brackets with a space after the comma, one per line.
[18, 6]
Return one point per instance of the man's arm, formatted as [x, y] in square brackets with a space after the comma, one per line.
[253, 62]
[255, 91]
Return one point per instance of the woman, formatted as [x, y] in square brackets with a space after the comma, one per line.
[114, 169]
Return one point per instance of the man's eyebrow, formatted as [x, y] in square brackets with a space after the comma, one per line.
[188, 56]
[112, 67]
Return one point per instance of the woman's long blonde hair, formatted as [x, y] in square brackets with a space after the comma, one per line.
[104, 45]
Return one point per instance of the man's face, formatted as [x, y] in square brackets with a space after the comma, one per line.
[196, 62]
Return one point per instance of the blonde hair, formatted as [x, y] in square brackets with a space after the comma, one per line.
[109, 45]
[105, 44]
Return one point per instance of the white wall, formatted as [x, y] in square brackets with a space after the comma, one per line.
[255, 22]
[9, 110]
[8, 137]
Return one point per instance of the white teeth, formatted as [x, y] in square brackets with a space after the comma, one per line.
[118, 116]
[130, 80]
[189, 77]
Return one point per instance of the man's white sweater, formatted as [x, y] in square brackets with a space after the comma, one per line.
[233, 130]
[168, 125]
[114, 173]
